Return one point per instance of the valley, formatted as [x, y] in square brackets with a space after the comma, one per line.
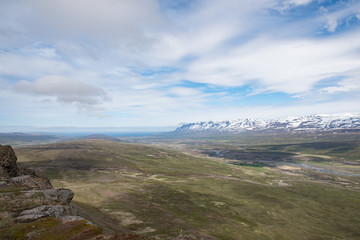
[210, 188]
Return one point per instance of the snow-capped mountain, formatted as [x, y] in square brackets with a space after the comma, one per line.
[312, 122]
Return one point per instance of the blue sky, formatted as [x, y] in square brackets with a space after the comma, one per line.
[154, 63]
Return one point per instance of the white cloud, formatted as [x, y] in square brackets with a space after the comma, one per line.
[298, 2]
[351, 84]
[285, 5]
[340, 88]
[193, 42]
[64, 89]
[331, 25]
[47, 52]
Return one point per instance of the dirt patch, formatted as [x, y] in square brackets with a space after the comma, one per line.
[125, 218]
[289, 168]
[109, 194]
[145, 230]
[281, 183]
[219, 204]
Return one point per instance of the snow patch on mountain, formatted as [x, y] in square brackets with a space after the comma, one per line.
[311, 122]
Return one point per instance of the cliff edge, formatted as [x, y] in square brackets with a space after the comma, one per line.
[30, 208]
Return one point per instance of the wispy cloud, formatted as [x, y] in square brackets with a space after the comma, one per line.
[340, 13]
[286, 65]
[285, 5]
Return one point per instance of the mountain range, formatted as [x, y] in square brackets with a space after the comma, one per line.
[303, 123]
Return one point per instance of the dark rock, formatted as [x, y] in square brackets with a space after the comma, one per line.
[8, 159]
[26, 171]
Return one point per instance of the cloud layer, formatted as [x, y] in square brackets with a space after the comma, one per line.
[175, 61]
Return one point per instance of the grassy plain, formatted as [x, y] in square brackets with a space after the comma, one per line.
[162, 193]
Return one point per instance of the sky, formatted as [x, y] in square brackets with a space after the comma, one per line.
[162, 63]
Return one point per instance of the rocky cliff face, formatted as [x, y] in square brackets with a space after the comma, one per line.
[30, 208]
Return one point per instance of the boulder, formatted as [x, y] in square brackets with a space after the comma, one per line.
[61, 195]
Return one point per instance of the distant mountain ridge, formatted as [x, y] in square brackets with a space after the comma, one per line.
[304, 123]
[101, 136]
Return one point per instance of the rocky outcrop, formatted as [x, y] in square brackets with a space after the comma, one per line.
[56, 211]
[27, 197]
[30, 208]
[8, 159]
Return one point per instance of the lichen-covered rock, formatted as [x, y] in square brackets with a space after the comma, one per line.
[8, 159]
[62, 195]
[56, 211]
[32, 181]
